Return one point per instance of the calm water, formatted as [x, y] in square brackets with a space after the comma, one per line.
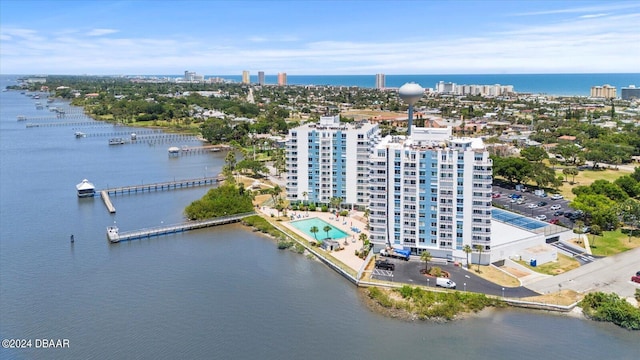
[552, 84]
[223, 293]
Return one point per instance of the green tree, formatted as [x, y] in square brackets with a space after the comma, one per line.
[595, 230]
[426, 257]
[326, 229]
[534, 153]
[365, 241]
[629, 213]
[314, 230]
[479, 248]
[571, 171]
[467, 250]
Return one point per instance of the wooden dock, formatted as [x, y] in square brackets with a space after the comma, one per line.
[173, 229]
[161, 186]
[107, 201]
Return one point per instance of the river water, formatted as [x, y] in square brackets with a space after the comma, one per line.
[224, 292]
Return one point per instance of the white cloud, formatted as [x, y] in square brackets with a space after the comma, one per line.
[584, 9]
[101, 32]
[584, 44]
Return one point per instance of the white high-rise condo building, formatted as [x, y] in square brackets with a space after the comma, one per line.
[380, 81]
[431, 192]
[330, 159]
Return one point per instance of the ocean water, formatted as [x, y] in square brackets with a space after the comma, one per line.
[551, 84]
[222, 293]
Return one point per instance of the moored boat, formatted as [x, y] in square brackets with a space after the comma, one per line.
[112, 234]
[80, 134]
[116, 141]
[85, 189]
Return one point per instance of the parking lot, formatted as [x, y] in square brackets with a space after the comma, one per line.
[530, 205]
[409, 272]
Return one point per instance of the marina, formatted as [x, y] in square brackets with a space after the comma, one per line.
[114, 236]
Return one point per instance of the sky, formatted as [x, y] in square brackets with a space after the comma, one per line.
[305, 37]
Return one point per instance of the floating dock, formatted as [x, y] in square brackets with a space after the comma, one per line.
[172, 229]
[107, 201]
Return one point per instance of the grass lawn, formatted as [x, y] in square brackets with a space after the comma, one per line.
[612, 242]
[564, 297]
[496, 276]
[587, 177]
[564, 264]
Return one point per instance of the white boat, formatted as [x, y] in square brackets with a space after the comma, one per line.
[112, 234]
[85, 189]
[174, 150]
[116, 141]
[80, 134]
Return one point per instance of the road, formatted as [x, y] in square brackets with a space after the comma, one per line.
[610, 274]
[408, 272]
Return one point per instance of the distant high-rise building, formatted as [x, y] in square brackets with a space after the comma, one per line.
[282, 79]
[605, 91]
[630, 93]
[260, 77]
[245, 77]
[380, 81]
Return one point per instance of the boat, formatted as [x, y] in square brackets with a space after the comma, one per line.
[22, 118]
[174, 150]
[112, 234]
[116, 141]
[86, 189]
[80, 134]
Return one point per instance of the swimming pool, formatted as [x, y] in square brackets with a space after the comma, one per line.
[305, 226]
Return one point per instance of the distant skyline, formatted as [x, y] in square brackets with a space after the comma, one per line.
[318, 37]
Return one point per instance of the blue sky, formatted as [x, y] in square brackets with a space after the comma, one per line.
[318, 37]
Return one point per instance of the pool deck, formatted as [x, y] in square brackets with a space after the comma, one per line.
[354, 219]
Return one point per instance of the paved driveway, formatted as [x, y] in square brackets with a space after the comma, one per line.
[408, 272]
[610, 274]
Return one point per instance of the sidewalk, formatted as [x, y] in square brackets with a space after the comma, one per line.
[532, 276]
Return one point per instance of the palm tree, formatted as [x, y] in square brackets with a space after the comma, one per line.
[426, 256]
[467, 250]
[327, 228]
[314, 230]
[479, 248]
[363, 238]
[306, 205]
[366, 216]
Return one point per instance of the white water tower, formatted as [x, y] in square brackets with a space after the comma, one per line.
[410, 93]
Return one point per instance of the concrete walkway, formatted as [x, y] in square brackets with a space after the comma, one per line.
[528, 279]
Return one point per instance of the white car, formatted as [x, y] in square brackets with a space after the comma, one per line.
[532, 206]
[555, 207]
[541, 217]
[556, 197]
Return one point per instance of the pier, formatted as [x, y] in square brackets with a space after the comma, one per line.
[54, 124]
[161, 186]
[172, 229]
[192, 150]
[107, 201]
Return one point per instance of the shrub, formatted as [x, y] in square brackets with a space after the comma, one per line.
[344, 213]
[610, 307]
[324, 208]
[284, 244]
[312, 207]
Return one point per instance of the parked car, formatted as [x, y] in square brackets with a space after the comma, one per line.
[558, 213]
[532, 206]
[568, 214]
[542, 203]
[385, 265]
[495, 196]
[541, 217]
[556, 197]
[521, 201]
[636, 278]
[554, 221]
[555, 207]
